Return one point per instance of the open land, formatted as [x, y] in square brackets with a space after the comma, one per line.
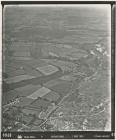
[56, 69]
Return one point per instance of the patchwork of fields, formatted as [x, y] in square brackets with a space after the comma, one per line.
[56, 70]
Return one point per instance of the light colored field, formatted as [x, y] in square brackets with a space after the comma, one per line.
[77, 54]
[18, 78]
[47, 70]
[39, 93]
[68, 78]
[53, 54]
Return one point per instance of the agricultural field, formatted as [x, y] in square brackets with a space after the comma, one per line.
[56, 69]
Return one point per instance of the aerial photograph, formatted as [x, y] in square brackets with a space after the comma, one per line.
[56, 68]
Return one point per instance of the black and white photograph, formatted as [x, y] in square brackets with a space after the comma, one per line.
[56, 68]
